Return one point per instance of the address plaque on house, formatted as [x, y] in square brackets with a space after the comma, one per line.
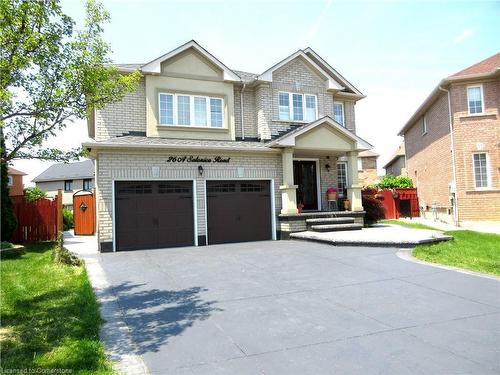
[197, 159]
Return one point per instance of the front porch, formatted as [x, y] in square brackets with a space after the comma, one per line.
[315, 157]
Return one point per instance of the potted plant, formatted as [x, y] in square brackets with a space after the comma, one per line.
[331, 194]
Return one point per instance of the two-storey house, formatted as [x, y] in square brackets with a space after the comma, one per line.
[452, 146]
[204, 154]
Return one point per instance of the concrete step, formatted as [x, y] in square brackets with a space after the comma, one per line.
[335, 227]
[331, 220]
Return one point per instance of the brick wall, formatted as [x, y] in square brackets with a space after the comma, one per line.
[249, 112]
[124, 116]
[477, 134]
[368, 174]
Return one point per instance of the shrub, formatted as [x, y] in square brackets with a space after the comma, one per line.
[372, 206]
[67, 219]
[392, 182]
[61, 255]
[34, 193]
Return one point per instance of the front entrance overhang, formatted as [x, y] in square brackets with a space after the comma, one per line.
[322, 136]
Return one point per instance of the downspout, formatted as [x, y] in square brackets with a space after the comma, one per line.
[241, 113]
[453, 161]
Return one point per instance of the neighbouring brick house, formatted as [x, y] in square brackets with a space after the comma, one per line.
[454, 160]
[15, 182]
[396, 165]
[68, 177]
[367, 168]
[202, 154]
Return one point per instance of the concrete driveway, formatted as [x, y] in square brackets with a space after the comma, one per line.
[290, 307]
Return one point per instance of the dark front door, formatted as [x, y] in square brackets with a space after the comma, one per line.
[238, 211]
[304, 175]
[153, 214]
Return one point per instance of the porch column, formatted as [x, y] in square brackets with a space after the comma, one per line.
[353, 188]
[288, 189]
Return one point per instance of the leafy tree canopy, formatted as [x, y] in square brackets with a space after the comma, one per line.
[52, 74]
[392, 182]
[33, 193]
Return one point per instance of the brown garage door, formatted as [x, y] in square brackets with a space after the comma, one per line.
[238, 211]
[153, 214]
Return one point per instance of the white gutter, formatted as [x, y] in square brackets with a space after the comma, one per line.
[450, 120]
[241, 113]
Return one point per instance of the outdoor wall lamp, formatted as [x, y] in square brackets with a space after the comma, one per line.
[327, 166]
[200, 170]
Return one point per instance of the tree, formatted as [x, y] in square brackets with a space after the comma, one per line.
[33, 193]
[52, 74]
[390, 181]
[9, 221]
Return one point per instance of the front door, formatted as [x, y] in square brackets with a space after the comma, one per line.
[305, 176]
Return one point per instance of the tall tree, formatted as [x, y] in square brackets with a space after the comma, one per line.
[52, 74]
[9, 221]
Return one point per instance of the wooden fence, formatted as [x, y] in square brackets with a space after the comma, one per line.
[40, 220]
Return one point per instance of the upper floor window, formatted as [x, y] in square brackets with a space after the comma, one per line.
[475, 99]
[190, 110]
[68, 185]
[10, 180]
[338, 112]
[87, 184]
[297, 107]
[481, 170]
[360, 164]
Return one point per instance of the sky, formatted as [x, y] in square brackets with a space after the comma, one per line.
[394, 52]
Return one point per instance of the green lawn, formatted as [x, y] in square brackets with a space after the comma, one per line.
[471, 250]
[49, 315]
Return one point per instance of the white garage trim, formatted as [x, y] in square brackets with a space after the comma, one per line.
[113, 213]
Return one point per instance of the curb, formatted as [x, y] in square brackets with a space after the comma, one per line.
[407, 254]
[372, 244]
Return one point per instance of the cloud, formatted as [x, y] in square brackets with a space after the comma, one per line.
[466, 34]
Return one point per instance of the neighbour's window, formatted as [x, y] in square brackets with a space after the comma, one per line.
[87, 184]
[338, 113]
[10, 181]
[481, 169]
[342, 179]
[303, 107]
[424, 125]
[216, 112]
[360, 164]
[475, 99]
[190, 110]
[68, 185]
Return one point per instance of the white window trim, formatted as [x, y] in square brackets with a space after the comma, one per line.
[480, 85]
[424, 120]
[360, 164]
[10, 180]
[488, 171]
[346, 177]
[304, 104]
[191, 111]
[343, 112]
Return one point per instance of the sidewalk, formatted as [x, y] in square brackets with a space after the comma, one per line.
[478, 226]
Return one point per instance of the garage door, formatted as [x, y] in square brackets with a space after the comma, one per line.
[153, 214]
[238, 211]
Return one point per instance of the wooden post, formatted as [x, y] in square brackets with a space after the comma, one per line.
[59, 211]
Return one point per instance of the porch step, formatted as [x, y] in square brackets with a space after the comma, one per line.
[331, 220]
[335, 227]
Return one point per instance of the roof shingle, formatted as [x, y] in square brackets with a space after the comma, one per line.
[65, 171]
[488, 65]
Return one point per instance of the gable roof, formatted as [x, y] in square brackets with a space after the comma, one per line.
[268, 74]
[288, 139]
[155, 65]
[15, 172]
[368, 154]
[66, 171]
[488, 68]
[398, 153]
[488, 65]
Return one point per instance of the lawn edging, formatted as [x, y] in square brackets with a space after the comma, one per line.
[407, 254]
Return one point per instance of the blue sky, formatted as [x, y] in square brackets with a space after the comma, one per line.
[395, 52]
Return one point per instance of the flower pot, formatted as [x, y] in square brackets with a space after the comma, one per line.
[331, 196]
